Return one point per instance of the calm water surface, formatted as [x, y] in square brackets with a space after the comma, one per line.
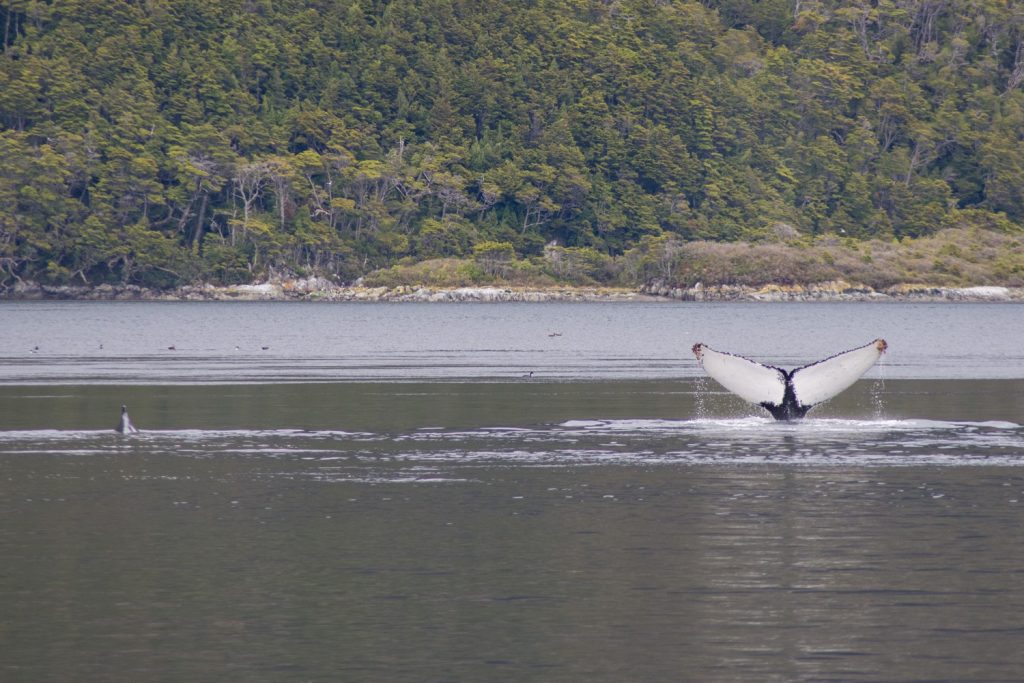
[381, 496]
[124, 342]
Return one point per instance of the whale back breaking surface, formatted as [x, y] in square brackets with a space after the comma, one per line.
[789, 395]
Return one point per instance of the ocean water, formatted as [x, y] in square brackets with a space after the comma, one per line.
[236, 342]
[385, 493]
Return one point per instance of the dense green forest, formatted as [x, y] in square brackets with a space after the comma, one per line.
[162, 142]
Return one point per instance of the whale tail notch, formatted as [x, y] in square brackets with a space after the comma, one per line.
[788, 395]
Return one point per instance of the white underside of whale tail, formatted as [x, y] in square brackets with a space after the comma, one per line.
[748, 379]
[818, 382]
[812, 384]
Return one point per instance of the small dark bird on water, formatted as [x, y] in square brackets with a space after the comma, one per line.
[264, 347]
[124, 425]
[172, 347]
[529, 375]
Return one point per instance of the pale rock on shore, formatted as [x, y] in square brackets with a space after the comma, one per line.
[836, 290]
[321, 289]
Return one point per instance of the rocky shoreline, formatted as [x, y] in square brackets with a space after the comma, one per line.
[837, 290]
[320, 289]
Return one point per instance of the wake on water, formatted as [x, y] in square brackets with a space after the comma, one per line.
[706, 441]
[767, 425]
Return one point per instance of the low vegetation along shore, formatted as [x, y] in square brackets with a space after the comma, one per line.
[952, 265]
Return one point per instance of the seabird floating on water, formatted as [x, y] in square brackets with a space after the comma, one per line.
[788, 395]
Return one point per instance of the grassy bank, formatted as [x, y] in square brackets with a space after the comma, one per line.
[784, 265]
[951, 258]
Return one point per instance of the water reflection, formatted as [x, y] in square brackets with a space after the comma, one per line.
[279, 569]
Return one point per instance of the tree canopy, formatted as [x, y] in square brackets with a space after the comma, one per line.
[166, 141]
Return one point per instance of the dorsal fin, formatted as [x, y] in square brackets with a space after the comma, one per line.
[124, 425]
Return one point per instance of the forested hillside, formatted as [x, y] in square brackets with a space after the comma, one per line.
[168, 141]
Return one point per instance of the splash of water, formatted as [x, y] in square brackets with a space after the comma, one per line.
[878, 390]
[700, 388]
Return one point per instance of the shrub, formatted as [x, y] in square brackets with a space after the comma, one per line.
[494, 258]
[579, 264]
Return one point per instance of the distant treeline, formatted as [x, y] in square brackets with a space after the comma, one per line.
[160, 142]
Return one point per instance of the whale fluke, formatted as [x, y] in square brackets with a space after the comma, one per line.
[124, 425]
[788, 395]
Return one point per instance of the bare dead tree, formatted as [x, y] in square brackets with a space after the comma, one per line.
[249, 180]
